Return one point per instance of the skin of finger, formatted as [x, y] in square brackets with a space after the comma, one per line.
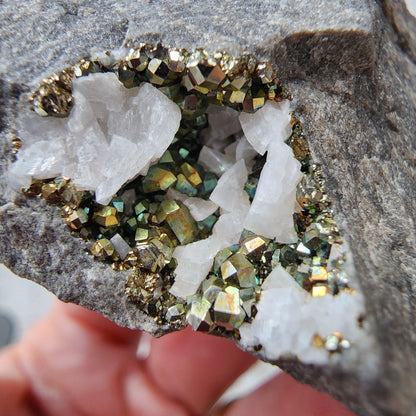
[196, 368]
[284, 396]
[78, 364]
[14, 388]
[64, 384]
[97, 324]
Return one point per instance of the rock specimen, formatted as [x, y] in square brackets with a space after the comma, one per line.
[358, 130]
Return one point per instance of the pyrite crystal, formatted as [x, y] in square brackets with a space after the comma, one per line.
[350, 69]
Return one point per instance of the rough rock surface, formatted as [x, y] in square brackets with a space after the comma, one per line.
[350, 66]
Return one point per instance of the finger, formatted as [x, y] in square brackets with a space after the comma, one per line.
[14, 388]
[195, 368]
[78, 363]
[284, 396]
[94, 324]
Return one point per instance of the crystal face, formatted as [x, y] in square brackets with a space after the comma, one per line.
[193, 176]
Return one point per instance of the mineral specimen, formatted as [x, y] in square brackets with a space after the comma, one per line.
[267, 210]
[349, 66]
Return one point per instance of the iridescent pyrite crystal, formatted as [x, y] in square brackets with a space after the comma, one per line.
[139, 229]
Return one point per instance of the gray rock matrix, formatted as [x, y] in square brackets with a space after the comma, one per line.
[350, 65]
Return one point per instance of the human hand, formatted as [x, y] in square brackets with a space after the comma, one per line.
[77, 363]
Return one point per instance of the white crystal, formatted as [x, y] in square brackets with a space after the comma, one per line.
[288, 317]
[214, 160]
[229, 226]
[230, 150]
[173, 194]
[195, 259]
[229, 193]
[279, 278]
[103, 89]
[270, 123]
[194, 262]
[108, 58]
[42, 160]
[244, 150]
[123, 161]
[271, 212]
[120, 246]
[33, 128]
[198, 207]
[148, 119]
[111, 135]
[222, 123]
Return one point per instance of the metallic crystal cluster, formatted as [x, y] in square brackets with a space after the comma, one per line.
[190, 79]
[140, 228]
[228, 296]
[54, 96]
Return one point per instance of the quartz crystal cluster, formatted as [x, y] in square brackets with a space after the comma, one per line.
[189, 171]
[111, 135]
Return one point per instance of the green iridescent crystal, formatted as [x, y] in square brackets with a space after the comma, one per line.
[182, 224]
[158, 179]
[102, 249]
[106, 216]
[76, 219]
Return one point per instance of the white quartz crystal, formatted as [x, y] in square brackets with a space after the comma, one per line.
[288, 317]
[195, 259]
[198, 207]
[270, 123]
[42, 160]
[108, 58]
[271, 212]
[111, 135]
[218, 162]
[194, 262]
[230, 150]
[214, 161]
[244, 150]
[222, 123]
[229, 193]
[176, 195]
[229, 226]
